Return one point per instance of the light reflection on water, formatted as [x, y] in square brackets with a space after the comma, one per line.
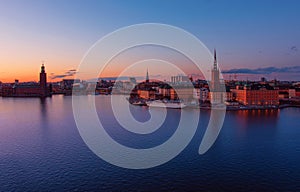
[40, 149]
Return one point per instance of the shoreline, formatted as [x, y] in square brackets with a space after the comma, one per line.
[250, 108]
[228, 108]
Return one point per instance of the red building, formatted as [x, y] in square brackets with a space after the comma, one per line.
[256, 95]
[297, 93]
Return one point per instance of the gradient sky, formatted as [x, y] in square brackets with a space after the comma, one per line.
[247, 34]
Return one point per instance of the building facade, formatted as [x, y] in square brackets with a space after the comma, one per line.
[256, 96]
[179, 79]
[147, 93]
[201, 94]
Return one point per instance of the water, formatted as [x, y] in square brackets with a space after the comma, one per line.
[41, 150]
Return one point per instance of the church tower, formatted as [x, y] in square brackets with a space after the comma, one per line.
[216, 89]
[43, 81]
[215, 74]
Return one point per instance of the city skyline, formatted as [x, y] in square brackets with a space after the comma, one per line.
[157, 95]
[253, 39]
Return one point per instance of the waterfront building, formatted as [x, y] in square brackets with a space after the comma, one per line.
[201, 94]
[256, 95]
[287, 93]
[297, 93]
[292, 93]
[229, 95]
[184, 93]
[283, 94]
[30, 89]
[147, 93]
[165, 91]
[175, 92]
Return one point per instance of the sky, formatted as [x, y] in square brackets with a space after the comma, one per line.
[253, 38]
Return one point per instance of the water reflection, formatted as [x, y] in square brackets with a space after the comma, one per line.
[41, 150]
[43, 108]
[140, 113]
[43, 120]
[258, 117]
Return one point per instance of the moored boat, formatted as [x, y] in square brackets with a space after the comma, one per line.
[166, 103]
[138, 102]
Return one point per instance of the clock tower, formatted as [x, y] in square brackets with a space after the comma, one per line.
[43, 81]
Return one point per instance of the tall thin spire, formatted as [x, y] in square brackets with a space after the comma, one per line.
[147, 76]
[215, 60]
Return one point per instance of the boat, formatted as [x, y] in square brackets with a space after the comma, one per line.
[177, 104]
[138, 102]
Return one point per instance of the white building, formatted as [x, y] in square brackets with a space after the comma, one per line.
[201, 94]
[179, 79]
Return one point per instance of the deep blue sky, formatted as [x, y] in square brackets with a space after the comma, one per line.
[247, 34]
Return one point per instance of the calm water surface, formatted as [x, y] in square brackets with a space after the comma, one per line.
[41, 150]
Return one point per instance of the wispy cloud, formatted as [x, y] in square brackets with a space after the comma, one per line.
[69, 73]
[266, 70]
[294, 48]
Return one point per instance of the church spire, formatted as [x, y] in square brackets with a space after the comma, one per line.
[147, 76]
[215, 60]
